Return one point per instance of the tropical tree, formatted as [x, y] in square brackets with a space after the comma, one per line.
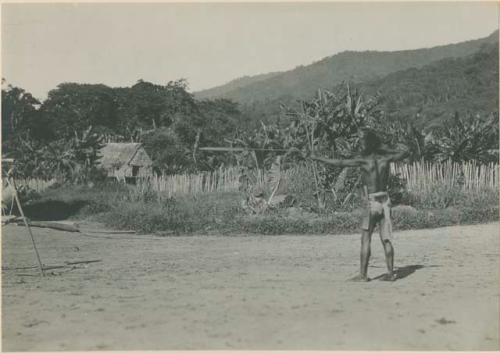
[19, 115]
[73, 107]
[212, 122]
[169, 154]
[145, 106]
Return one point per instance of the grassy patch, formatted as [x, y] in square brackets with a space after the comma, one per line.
[282, 223]
[188, 214]
[349, 222]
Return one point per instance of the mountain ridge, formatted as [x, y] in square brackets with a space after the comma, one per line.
[354, 66]
[464, 85]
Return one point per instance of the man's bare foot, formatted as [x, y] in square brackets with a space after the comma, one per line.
[389, 277]
[359, 278]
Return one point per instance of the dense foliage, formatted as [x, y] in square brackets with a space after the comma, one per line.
[46, 137]
[19, 115]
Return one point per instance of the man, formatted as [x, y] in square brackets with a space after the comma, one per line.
[374, 163]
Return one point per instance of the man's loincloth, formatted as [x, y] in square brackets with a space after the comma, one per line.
[378, 210]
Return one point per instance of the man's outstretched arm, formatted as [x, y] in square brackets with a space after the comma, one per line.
[340, 162]
[400, 155]
[395, 155]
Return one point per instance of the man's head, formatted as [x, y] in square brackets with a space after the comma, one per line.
[370, 142]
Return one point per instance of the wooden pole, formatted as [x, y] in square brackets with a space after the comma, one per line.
[16, 197]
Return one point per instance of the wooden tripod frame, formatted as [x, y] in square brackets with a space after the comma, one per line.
[10, 180]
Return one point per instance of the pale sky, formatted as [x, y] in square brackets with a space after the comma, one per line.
[210, 44]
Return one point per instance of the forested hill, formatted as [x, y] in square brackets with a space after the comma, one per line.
[303, 81]
[465, 85]
[236, 84]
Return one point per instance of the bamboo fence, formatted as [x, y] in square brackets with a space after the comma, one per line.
[38, 185]
[190, 184]
[419, 176]
[469, 176]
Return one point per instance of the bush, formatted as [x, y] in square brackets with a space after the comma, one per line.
[425, 219]
[302, 187]
[473, 215]
[340, 195]
[335, 223]
[27, 195]
[188, 214]
[145, 218]
[397, 190]
[480, 199]
[437, 197]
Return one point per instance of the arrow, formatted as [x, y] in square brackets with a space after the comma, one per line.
[241, 149]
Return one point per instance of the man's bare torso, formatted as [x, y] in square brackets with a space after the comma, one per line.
[375, 173]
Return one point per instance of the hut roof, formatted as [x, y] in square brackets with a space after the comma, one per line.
[118, 154]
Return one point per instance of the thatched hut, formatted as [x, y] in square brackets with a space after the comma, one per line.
[125, 161]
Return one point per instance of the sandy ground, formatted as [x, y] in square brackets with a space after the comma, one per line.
[255, 292]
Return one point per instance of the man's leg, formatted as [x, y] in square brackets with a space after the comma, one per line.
[389, 253]
[366, 236]
[366, 239]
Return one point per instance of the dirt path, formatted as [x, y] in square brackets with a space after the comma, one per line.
[283, 292]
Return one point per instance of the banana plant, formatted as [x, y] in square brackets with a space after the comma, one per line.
[467, 138]
[329, 125]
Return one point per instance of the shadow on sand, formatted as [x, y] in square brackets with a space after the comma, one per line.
[405, 271]
[52, 210]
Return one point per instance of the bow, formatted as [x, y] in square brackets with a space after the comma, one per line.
[305, 154]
